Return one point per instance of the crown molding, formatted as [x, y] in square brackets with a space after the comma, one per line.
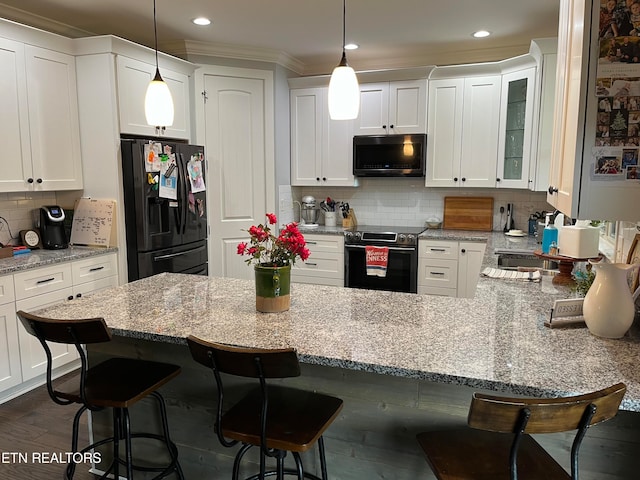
[189, 47]
[42, 23]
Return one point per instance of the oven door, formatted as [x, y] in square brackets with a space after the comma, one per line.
[402, 270]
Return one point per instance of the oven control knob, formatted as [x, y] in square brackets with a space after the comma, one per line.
[402, 238]
[357, 236]
[348, 236]
[411, 238]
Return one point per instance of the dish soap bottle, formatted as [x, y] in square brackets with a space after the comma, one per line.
[549, 234]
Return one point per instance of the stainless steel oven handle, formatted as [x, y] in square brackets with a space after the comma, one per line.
[401, 249]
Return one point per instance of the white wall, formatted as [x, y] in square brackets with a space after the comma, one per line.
[407, 202]
[17, 208]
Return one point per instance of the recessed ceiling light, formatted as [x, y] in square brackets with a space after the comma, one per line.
[351, 46]
[481, 34]
[201, 21]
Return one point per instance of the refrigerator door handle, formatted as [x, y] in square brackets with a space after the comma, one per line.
[185, 195]
[177, 254]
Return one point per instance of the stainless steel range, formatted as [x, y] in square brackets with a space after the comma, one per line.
[402, 260]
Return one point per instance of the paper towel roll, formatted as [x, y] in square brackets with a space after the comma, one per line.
[579, 242]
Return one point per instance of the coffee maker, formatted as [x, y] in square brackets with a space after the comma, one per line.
[52, 228]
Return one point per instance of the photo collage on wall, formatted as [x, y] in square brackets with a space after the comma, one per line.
[617, 138]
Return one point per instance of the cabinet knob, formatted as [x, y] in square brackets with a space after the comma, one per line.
[464, 179]
[384, 126]
[29, 180]
[324, 179]
[463, 250]
[455, 179]
[70, 297]
[317, 179]
[390, 126]
[552, 190]
[79, 295]
[39, 180]
[497, 179]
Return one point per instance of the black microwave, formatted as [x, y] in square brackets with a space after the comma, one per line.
[389, 155]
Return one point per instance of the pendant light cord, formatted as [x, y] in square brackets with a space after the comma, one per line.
[344, 23]
[155, 31]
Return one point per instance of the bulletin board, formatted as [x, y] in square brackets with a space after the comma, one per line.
[94, 222]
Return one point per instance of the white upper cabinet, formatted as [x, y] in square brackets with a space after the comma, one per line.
[462, 141]
[39, 125]
[392, 108]
[321, 148]
[578, 186]
[516, 127]
[133, 79]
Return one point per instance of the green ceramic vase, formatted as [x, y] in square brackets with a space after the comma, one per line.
[272, 288]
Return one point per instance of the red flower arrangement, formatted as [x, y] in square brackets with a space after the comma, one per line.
[268, 250]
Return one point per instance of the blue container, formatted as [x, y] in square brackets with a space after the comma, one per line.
[549, 236]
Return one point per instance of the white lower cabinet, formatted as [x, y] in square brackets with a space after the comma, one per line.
[22, 359]
[470, 257]
[10, 373]
[325, 265]
[449, 268]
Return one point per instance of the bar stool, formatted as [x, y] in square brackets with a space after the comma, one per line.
[278, 419]
[116, 383]
[498, 445]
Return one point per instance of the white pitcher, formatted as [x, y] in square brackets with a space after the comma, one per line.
[608, 305]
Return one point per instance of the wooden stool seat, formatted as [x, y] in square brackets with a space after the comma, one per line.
[479, 455]
[277, 419]
[116, 383]
[296, 418]
[498, 446]
[121, 382]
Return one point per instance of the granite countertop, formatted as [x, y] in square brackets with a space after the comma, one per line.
[495, 341]
[42, 257]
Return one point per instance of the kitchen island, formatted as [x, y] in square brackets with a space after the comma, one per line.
[402, 362]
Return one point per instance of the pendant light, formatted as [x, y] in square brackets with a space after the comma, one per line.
[344, 92]
[158, 104]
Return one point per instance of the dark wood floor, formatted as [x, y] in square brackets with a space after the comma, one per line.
[34, 426]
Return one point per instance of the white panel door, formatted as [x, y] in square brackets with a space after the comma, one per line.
[133, 79]
[445, 132]
[408, 107]
[238, 137]
[32, 356]
[53, 120]
[10, 372]
[480, 128]
[306, 135]
[15, 162]
[337, 149]
[374, 110]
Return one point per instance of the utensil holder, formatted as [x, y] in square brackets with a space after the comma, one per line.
[330, 219]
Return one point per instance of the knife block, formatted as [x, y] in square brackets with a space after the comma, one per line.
[6, 252]
[350, 220]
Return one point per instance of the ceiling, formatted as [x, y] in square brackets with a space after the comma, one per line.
[306, 35]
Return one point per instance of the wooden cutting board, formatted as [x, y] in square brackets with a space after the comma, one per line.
[468, 213]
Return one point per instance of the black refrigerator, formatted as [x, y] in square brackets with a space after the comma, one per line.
[165, 207]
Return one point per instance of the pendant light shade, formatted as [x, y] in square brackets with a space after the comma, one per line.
[344, 92]
[158, 103]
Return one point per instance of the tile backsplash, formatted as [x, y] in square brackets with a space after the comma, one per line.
[17, 211]
[407, 202]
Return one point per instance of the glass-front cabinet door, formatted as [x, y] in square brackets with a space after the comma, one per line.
[516, 125]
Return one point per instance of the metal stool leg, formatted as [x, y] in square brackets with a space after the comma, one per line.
[117, 435]
[173, 451]
[236, 463]
[299, 468]
[323, 460]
